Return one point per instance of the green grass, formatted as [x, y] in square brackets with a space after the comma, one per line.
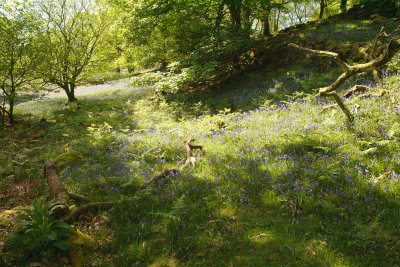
[281, 181]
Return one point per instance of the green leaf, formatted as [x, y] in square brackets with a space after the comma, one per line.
[33, 244]
[52, 236]
[62, 244]
[394, 131]
[369, 151]
[62, 225]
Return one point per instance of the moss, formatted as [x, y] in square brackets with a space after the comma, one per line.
[78, 242]
[7, 215]
[69, 157]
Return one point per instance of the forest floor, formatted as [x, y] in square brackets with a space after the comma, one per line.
[281, 181]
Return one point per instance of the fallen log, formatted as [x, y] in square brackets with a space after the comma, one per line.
[57, 190]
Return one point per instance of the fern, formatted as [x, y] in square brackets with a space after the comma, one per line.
[179, 210]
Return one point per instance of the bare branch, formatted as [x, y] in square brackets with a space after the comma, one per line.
[334, 56]
[159, 176]
[356, 89]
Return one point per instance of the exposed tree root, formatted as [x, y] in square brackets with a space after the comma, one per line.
[60, 207]
[74, 214]
[78, 197]
[389, 51]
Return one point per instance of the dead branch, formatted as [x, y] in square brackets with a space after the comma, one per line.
[319, 53]
[375, 72]
[61, 195]
[356, 89]
[377, 38]
[389, 52]
[161, 175]
[380, 94]
[189, 152]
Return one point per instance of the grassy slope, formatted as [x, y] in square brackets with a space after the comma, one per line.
[281, 182]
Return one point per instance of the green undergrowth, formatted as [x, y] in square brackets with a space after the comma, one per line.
[280, 182]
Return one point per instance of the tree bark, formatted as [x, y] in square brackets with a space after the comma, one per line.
[235, 10]
[11, 111]
[70, 91]
[321, 8]
[247, 21]
[343, 6]
[57, 191]
[266, 28]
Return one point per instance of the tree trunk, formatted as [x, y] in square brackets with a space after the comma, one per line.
[343, 6]
[321, 8]
[247, 21]
[70, 91]
[164, 64]
[11, 111]
[218, 21]
[2, 117]
[235, 9]
[266, 29]
[276, 23]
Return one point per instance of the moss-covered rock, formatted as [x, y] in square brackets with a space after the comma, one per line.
[7, 215]
[68, 157]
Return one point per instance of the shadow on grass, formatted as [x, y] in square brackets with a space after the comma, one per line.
[260, 89]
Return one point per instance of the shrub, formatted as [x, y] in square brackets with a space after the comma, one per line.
[38, 236]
